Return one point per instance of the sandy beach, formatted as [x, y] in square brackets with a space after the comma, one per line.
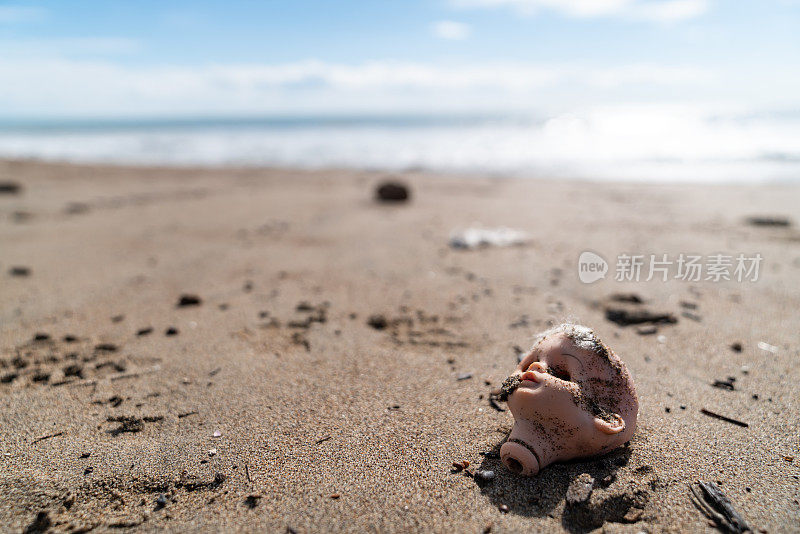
[338, 356]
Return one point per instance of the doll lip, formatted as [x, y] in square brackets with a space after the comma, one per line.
[529, 376]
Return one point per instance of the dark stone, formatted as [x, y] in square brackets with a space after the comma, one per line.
[625, 317]
[19, 271]
[189, 300]
[378, 322]
[10, 188]
[768, 220]
[392, 192]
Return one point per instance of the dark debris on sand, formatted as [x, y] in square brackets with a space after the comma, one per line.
[710, 500]
[769, 220]
[19, 270]
[626, 317]
[189, 300]
[10, 188]
[392, 191]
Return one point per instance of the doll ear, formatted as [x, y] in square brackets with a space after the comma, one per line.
[614, 426]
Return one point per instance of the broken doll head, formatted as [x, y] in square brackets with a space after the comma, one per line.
[571, 397]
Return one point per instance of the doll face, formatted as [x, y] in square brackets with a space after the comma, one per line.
[571, 401]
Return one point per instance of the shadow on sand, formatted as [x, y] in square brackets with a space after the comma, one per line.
[544, 494]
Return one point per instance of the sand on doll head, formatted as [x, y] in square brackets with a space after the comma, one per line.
[571, 397]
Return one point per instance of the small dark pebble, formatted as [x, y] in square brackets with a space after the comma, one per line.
[392, 191]
[10, 188]
[86, 454]
[483, 477]
[40, 376]
[73, 369]
[171, 331]
[668, 410]
[768, 220]
[503, 508]
[117, 318]
[693, 316]
[144, 331]
[755, 396]
[625, 317]
[736, 347]
[70, 339]
[40, 336]
[19, 271]
[105, 347]
[378, 322]
[161, 501]
[646, 330]
[189, 300]
[88, 471]
[464, 376]
[460, 466]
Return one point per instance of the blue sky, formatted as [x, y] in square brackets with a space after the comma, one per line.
[109, 58]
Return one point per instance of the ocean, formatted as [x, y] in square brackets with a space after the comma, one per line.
[639, 143]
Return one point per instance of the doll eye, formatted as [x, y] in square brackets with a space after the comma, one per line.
[561, 374]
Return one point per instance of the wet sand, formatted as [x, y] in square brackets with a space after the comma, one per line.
[315, 385]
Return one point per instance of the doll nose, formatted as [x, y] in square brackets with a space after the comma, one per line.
[537, 366]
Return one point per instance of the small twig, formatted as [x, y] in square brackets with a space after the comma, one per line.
[323, 440]
[717, 507]
[723, 418]
[37, 440]
[493, 404]
[247, 472]
[187, 414]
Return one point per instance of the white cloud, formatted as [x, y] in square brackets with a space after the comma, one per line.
[11, 14]
[654, 10]
[672, 10]
[452, 30]
[60, 86]
[70, 46]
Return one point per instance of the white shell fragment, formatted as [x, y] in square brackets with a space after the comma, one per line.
[477, 237]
